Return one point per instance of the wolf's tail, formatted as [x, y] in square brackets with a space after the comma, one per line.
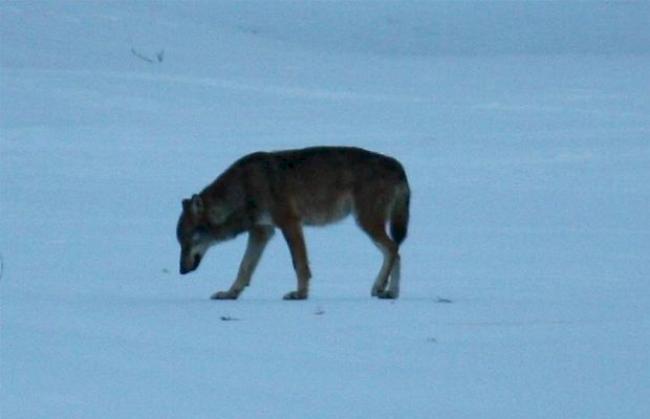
[399, 217]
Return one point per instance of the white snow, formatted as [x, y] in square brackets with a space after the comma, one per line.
[525, 131]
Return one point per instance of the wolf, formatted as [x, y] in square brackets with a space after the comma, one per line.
[290, 189]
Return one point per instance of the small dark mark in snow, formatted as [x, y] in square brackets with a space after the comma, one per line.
[319, 311]
[443, 300]
[228, 319]
[432, 340]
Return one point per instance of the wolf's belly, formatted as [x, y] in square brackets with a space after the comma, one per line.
[321, 212]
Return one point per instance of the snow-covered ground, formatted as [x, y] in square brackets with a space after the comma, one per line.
[525, 132]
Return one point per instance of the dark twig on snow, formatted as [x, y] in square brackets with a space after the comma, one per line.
[142, 56]
[229, 319]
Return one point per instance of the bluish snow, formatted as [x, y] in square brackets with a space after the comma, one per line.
[524, 130]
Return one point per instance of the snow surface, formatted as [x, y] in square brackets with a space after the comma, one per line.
[524, 130]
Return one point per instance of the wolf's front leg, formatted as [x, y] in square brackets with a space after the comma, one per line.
[258, 238]
[293, 235]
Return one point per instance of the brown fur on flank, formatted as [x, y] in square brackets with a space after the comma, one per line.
[288, 189]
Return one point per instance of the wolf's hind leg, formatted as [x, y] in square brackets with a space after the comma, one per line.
[388, 248]
[393, 284]
[371, 211]
[258, 238]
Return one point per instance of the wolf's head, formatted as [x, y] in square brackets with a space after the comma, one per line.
[193, 234]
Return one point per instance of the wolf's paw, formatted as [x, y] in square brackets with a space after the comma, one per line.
[224, 295]
[388, 295]
[295, 295]
[376, 292]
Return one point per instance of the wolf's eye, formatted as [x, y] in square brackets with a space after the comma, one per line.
[200, 234]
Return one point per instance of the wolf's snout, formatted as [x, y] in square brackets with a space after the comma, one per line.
[197, 260]
[184, 269]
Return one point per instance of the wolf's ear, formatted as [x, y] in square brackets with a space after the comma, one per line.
[194, 205]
